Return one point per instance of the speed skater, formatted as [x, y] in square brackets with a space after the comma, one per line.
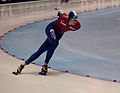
[54, 32]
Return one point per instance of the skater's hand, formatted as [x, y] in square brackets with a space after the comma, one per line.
[59, 13]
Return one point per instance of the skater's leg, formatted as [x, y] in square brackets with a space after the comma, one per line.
[51, 49]
[41, 50]
[53, 41]
[36, 54]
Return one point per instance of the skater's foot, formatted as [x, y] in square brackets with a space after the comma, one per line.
[44, 70]
[20, 68]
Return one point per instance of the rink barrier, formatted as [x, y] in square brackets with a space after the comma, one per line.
[64, 71]
[114, 80]
[38, 7]
[67, 71]
[87, 75]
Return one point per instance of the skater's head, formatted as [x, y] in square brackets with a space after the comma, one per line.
[72, 16]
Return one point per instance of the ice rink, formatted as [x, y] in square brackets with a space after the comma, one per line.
[93, 51]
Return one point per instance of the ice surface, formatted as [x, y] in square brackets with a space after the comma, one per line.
[93, 50]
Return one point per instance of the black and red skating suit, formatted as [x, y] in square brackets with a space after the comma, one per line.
[62, 24]
[54, 32]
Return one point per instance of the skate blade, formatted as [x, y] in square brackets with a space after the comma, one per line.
[15, 73]
[44, 74]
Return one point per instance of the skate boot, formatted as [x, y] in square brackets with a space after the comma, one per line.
[20, 68]
[44, 70]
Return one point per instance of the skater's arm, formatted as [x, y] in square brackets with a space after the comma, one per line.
[77, 26]
[59, 13]
[62, 15]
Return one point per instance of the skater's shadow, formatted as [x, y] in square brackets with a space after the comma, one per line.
[30, 73]
[50, 73]
[55, 73]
